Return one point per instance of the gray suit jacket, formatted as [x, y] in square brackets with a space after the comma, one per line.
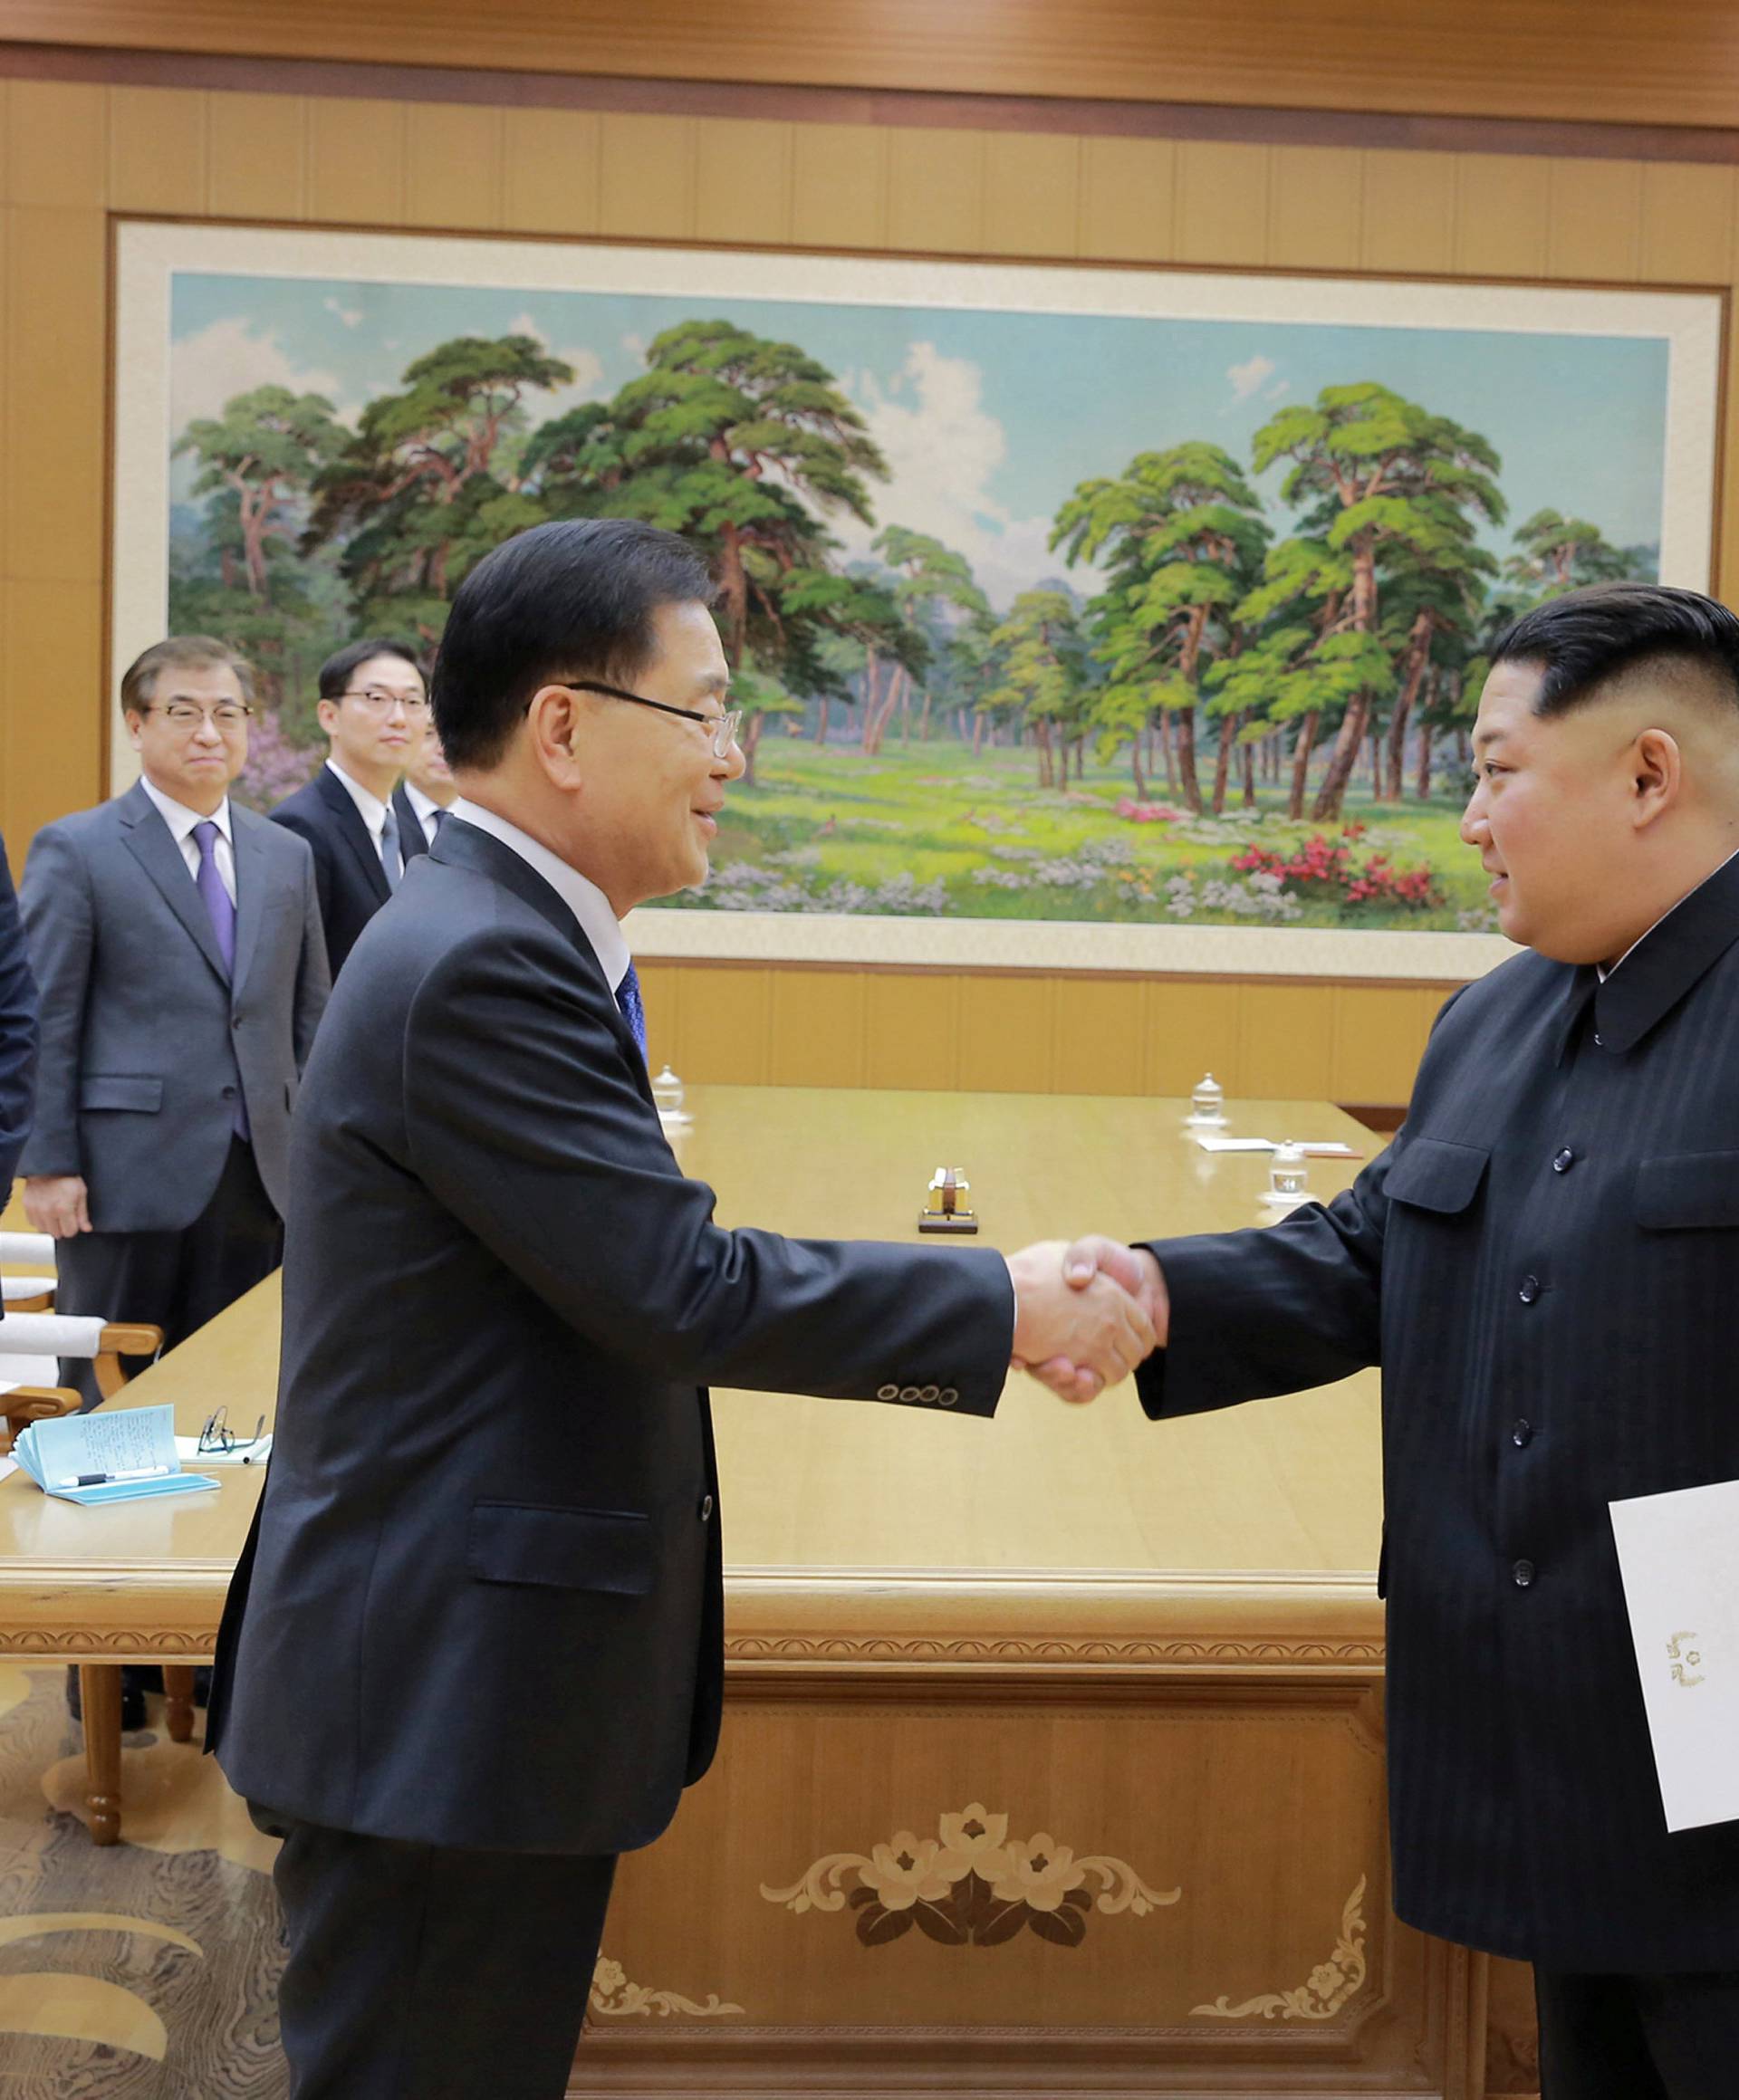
[145, 1041]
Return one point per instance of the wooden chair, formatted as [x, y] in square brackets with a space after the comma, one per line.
[105, 1343]
[32, 1253]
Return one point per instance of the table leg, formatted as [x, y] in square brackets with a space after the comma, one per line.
[100, 1698]
[178, 1687]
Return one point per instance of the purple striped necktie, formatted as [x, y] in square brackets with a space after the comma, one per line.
[220, 910]
[628, 997]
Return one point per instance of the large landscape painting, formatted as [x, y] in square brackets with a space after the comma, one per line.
[1075, 599]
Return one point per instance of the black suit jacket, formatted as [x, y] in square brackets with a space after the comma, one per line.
[413, 838]
[348, 874]
[1544, 1262]
[483, 1604]
[17, 1032]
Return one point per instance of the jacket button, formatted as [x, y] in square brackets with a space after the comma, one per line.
[1530, 1289]
[1562, 1162]
[1523, 1573]
[948, 1396]
[887, 1392]
[1521, 1435]
[235, 1020]
[229, 1093]
[930, 1396]
[705, 1508]
[909, 1393]
[1600, 1042]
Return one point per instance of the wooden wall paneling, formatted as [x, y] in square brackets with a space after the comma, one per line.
[51, 649]
[1100, 1034]
[1315, 200]
[1031, 194]
[1688, 222]
[1726, 581]
[552, 175]
[1606, 61]
[158, 153]
[5, 346]
[648, 167]
[1409, 212]
[840, 185]
[726, 1014]
[662, 990]
[57, 143]
[1502, 215]
[816, 1023]
[1222, 203]
[1191, 1027]
[453, 167]
[1596, 220]
[936, 191]
[1378, 1035]
[56, 270]
[258, 157]
[911, 1029]
[1129, 193]
[1285, 1042]
[1006, 1034]
[743, 189]
[357, 160]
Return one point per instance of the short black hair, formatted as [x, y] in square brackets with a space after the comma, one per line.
[179, 653]
[572, 600]
[1585, 639]
[335, 673]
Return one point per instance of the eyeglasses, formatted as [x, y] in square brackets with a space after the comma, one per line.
[722, 726]
[383, 702]
[228, 714]
[218, 1436]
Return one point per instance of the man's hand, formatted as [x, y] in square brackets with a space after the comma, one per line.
[1090, 1262]
[1084, 1333]
[57, 1204]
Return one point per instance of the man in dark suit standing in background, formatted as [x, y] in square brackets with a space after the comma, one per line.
[1544, 1265]
[474, 1649]
[425, 795]
[175, 941]
[374, 707]
[17, 1032]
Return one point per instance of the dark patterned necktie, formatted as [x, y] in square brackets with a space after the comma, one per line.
[628, 997]
[220, 910]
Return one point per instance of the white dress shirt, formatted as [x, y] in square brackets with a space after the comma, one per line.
[181, 820]
[369, 807]
[584, 900]
[427, 809]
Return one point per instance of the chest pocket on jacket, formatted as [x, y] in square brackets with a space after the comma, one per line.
[1687, 1190]
[1434, 1174]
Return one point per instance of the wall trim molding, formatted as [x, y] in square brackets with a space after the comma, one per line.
[896, 108]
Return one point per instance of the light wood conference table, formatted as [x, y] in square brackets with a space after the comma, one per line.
[1153, 1648]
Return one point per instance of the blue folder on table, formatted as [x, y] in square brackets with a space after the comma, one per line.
[102, 1457]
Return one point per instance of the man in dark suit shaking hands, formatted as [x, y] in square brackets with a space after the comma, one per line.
[1543, 1262]
[475, 1648]
[17, 1031]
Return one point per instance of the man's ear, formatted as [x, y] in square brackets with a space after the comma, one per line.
[1658, 776]
[326, 712]
[135, 727]
[553, 721]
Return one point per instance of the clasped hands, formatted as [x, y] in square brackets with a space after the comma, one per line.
[1086, 1313]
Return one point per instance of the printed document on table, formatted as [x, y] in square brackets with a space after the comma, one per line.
[1679, 1556]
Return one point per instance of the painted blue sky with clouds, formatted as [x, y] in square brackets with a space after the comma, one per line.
[989, 419]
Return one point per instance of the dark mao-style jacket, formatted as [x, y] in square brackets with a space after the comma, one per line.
[1545, 1263]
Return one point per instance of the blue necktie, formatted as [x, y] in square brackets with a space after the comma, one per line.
[392, 859]
[628, 997]
[220, 910]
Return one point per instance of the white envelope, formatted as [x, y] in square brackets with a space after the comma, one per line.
[1679, 1556]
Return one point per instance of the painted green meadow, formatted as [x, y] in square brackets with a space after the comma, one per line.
[935, 830]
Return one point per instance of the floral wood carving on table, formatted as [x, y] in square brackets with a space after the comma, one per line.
[1331, 1985]
[614, 1996]
[971, 1884]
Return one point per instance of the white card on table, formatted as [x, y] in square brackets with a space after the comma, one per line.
[1679, 1556]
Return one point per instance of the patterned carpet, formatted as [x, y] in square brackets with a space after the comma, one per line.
[144, 1970]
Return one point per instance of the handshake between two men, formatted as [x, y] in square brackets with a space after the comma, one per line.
[1086, 1313]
